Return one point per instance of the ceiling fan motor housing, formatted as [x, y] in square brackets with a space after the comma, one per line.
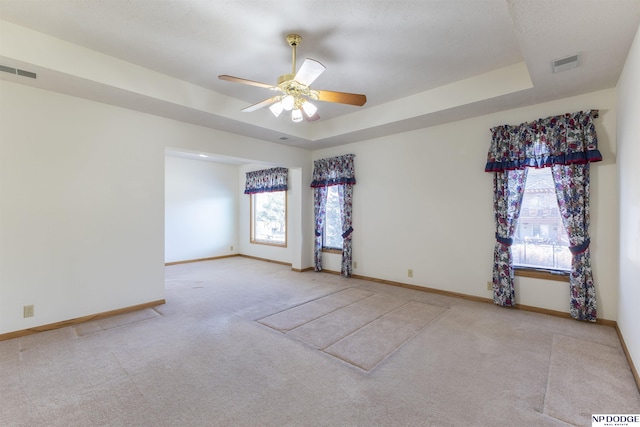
[294, 40]
[285, 78]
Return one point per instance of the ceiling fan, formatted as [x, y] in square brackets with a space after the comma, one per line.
[295, 94]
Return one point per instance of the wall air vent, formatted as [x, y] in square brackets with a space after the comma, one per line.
[566, 63]
[17, 71]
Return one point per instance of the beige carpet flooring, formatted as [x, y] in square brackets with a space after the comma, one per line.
[357, 327]
[242, 342]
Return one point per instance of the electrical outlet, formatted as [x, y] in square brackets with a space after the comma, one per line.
[28, 311]
[489, 286]
[355, 264]
[410, 273]
[231, 247]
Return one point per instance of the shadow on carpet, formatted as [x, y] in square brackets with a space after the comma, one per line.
[356, 326]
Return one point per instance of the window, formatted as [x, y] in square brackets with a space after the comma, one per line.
[332, 231]
[269, 218]
[540, 240]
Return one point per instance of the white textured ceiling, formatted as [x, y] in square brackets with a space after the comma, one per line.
[408, 57]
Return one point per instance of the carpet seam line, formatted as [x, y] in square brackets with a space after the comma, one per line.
[331, 312]
[386, 356]
[307, 302]
[368, 323]
[286, 331]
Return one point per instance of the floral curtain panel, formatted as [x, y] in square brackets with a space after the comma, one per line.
[319, 211]
[567, 144]
[266, 180]
[507, 199]
[326, 172]
[572, 191]
[345, 192]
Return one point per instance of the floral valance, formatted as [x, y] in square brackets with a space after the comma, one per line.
[266, 180]
[566, 139]
[333, 171]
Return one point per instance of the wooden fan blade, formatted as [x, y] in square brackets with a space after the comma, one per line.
[342, 97]
[261, 104]
[245, 81]
[309, 71]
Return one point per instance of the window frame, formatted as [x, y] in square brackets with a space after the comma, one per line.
[252, 238]
[540, 272]
[330, 249]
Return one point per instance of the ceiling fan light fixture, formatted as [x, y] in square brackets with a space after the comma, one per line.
[309, 108]
[276, 108]
[288, 102]
[295, 90]
[296, 115]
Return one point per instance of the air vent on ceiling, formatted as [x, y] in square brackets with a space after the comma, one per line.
[17, 71]
[566, 63]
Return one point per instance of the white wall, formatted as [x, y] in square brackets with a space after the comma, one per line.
[628, 92]
[201, 209]
[81, 207]
[423, 201]
[260, 155]
[82, 202]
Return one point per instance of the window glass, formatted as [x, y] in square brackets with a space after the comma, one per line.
[269, 218]
[332, 233]
[540, 239]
